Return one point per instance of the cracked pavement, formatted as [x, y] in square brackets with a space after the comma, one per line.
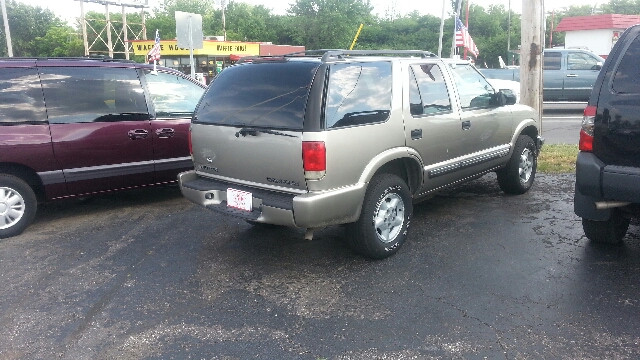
[145, 274]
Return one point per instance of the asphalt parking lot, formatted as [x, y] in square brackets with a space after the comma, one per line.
[147, 275]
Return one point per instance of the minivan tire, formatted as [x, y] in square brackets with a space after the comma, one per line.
[518, 175]
[384, 221]
[18, 205]
[611, 231]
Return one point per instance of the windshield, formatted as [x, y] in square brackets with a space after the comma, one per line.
[266, 95]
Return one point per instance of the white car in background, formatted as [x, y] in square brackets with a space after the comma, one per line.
[499, 85]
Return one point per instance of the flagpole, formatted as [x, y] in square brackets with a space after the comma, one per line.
[467, 25]
[453, 43]
[441, 29]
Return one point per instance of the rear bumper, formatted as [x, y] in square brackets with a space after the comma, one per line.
[309, 210]
[598, 182]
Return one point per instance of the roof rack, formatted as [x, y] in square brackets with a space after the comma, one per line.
[91, 57]
[341, 54]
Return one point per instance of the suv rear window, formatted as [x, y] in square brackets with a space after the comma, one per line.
[21, 97]
[265, 94]
[625, 79]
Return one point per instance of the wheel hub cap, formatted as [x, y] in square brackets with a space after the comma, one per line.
[11, 207]
[389, 217]
[525, 165]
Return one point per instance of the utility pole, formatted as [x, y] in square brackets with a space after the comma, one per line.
[532, 44]
[6, 29]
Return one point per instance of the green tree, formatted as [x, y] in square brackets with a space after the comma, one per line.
[59, 41]
[626, 7]
[25, 24]
[328, 23]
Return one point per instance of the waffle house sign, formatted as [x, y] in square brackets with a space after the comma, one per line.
[212, 48]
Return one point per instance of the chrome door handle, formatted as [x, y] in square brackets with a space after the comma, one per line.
[138, 134]
[572, 75]
[165, 133]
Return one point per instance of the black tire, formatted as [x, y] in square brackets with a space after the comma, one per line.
[18, 206]
[606, 232]
[518, 175]
[389, 201]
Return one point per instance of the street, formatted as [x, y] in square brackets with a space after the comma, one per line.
[561, 122]
[147, 274]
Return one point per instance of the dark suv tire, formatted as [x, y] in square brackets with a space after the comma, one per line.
[17, 205]
[384, 220]
[518, 175]
[611, 231]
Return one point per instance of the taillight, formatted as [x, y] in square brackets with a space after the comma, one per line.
[314, 159]
[190, 144]
[586, 133]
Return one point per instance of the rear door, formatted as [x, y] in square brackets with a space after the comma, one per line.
[173, 100]
[99, 127]
[248, 126]
[553, 76]
[617, 126]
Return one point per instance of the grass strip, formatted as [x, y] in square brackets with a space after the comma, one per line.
[558, 159]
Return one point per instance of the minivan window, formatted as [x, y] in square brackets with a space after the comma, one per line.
[427, 90]
[92, 94]
[21, 97]
[628, 72]
[171, 94]
[269, 94]
[358, 94]
[552, 60]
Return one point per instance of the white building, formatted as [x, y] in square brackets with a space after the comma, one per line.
[597, 33]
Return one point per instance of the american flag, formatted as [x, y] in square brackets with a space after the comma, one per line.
[464, 39]
[154, 53]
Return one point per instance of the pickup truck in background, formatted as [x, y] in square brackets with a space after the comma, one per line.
[568, 75]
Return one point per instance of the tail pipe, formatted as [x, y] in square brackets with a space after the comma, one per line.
[602, 205]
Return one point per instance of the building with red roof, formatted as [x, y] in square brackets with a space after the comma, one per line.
[597, 33]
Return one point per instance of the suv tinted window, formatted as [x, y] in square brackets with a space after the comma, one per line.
[428, 91]
[268, 94]
[21, 96]
[552, 60]
[172, 95]
[89, 94]
[625, 79]
[358, 94]
[474, 90]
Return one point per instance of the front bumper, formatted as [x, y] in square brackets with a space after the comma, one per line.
[308, 210]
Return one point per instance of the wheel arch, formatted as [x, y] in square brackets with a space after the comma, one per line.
[28, 175]
[402, 162]
[528, 128]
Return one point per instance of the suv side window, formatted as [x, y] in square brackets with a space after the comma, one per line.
[625, 78]
[172, 95]
[581, 61]
[92, 94]
[21, 97]
[358, 93]
[552, 60]
[427, 91]
[475, 92]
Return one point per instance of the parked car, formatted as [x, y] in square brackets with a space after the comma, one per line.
[568, 74]
[607, 194]
[352, 137]
[78, 126]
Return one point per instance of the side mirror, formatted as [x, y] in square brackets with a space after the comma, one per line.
[597, 66]
[510, 96]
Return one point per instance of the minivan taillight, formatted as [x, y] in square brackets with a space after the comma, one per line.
[314, 159]
[586, 133]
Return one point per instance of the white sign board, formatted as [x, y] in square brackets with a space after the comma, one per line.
[189, 30]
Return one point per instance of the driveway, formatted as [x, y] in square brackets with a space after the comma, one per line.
[146, 274]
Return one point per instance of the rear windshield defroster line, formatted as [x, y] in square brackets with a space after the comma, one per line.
[264, 95]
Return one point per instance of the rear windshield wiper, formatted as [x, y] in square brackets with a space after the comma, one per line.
[254, 131]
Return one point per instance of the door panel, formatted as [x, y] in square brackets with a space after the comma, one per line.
[99, 127]
[553, 76]
[581, 74]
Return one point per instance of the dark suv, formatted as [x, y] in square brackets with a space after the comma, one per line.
[607, 191]
[72, 127]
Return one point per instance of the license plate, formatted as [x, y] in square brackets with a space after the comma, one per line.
[239, 199]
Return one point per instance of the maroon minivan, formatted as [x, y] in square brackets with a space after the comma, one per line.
[77, 126]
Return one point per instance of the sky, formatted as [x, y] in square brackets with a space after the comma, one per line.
[70, 9]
